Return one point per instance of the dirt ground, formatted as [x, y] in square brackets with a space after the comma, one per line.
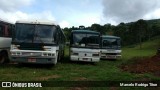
[144, 65]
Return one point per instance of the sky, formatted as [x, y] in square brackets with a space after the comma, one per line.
[68, 13]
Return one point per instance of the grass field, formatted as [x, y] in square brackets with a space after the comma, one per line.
[105, 70]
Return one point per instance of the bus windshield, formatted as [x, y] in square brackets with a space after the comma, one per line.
[34, 33]
[111, 43]
[85, 40]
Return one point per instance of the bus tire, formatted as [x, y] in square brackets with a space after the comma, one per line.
[4, 57]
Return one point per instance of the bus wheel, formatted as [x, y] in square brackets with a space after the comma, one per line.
[4, 57]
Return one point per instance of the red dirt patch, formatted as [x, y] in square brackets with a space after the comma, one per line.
[144, 65]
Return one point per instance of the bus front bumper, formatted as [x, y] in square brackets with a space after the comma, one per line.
[111, 57]
[85, 59]
[34, 60]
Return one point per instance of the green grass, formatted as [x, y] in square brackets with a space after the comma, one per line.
[68, 71]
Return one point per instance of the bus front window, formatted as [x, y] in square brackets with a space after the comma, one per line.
[24, 32]
[79, 39]
[44, 33]
[34, 33]
[85, 40]
[92, 40]
[111, 43]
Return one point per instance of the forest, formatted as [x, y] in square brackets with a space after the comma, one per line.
[131, 33]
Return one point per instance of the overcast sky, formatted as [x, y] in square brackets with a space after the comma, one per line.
[70, 13]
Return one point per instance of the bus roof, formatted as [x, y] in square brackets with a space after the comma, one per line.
[109, 36]
[84, 31]
[4, 21]
[37, 22]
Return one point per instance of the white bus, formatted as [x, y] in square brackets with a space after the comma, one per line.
[110, 47]
[37, 42]
[85, 46]
[6, 29]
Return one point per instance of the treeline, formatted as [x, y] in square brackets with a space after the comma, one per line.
[130, 33]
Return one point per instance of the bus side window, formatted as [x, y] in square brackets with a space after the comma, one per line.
[61, 39]
[1, 31]
[12, 31]
[57, 37]
[6, 31]
[10, 28]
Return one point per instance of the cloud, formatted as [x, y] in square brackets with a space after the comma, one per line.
[64, 24]
[19, 15]
[87, 12]
[86, 19]
[154, 15]
[12, 10]
[80, 18]
[12, 5]
[128, 10]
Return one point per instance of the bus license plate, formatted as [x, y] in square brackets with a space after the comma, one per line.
[31, 60]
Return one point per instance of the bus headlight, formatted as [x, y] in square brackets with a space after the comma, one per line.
[103, 54]
[16, 53]
[73, 53]
[48, 54]
[14, 47]
[13, 53]
[96, 55]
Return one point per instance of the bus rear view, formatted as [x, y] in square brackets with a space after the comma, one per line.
[85, 46]
[111, 47]
[37, 42]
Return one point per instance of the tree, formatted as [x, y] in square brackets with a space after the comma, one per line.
[98, 28]
[156, 29]
[108, 29]
[141, 28]
[67, 32]
[121, 31]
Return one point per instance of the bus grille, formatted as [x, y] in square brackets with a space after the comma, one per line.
[31, 54]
